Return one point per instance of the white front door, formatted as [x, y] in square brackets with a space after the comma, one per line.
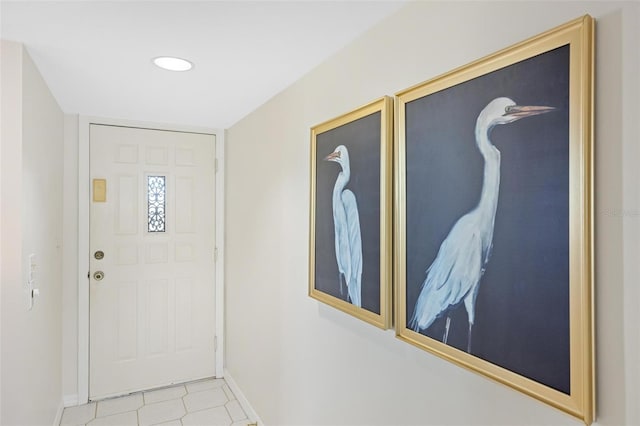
[152, 277]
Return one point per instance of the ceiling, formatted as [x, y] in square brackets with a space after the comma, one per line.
[96, 56]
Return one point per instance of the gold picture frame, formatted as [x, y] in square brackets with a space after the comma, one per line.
[350, 254]
[494, 221]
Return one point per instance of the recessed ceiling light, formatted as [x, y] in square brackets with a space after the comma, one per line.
[172, 64]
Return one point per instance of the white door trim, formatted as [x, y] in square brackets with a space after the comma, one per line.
[83, 238]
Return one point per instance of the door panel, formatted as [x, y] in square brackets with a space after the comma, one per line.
[152, 315]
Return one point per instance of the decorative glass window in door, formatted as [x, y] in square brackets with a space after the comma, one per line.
[156, 196]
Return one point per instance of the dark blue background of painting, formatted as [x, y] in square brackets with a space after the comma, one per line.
[362, 139]
[522, 309]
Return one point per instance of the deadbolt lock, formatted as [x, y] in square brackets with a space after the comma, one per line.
[99, 254]
[98, 275]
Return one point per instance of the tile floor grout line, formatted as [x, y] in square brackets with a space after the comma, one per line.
[229, 413]
[186, 411]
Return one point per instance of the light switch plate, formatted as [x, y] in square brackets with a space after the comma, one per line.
[31, 280]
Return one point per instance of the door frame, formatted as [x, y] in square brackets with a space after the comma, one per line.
[84, 200]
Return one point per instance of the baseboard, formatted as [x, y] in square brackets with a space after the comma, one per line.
[242, 399]
[56, 421]
[70, 400]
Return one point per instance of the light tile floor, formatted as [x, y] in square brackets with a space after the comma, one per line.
[201, 403]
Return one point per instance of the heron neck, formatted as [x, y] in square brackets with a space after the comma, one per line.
[491, 183]
[341, 182]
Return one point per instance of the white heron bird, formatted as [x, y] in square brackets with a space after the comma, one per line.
[346, 223]
[454, 276]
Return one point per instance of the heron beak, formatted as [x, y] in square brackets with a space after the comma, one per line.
[333, 156]
[517, 111]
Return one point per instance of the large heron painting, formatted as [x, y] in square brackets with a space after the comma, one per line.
[455, 274]
[494, 218]
[487, 217]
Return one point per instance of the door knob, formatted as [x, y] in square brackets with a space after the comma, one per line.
[98, 275]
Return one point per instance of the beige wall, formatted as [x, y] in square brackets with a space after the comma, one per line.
[303, 363]
[32, 149]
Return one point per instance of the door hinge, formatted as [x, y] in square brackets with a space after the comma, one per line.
[215, 254]
[215, 343]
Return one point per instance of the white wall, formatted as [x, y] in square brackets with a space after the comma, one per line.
[32, 149]
[10, 181]
[70, 263]
[303, 363]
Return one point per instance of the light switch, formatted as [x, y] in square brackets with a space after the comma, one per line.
[31, 289]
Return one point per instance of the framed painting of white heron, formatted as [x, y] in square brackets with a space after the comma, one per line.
[493, 221]
[350, 224]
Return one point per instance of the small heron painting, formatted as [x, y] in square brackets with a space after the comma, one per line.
[348, 245]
